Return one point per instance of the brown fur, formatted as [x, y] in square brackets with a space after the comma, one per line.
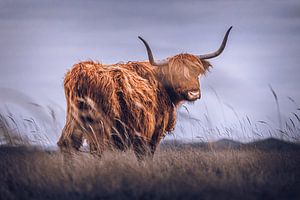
[123, 105]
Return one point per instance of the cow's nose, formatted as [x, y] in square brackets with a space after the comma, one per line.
[194, 95]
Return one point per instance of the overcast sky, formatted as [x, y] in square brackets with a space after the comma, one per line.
[41, 40]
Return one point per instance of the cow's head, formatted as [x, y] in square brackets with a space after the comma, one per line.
[181, 73]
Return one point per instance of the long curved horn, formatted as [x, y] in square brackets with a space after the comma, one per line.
[150, 55]
[219, 51]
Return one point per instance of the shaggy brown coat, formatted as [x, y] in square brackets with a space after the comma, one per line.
[123, 105]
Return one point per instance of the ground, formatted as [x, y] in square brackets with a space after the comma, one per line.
[222, 170]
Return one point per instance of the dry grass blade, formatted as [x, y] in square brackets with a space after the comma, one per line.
[274, 93]
[52, 113]
[35, 104]
[277, 106]
[187, 110]
[248, 119]
[296, 116]
[262, 122]
[292, 122]
[292, 100]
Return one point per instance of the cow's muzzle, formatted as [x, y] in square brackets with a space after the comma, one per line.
[193, 95]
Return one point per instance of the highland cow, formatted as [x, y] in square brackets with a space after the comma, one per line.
[132, 104]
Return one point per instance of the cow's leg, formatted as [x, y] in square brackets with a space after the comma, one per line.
[155, 140]
[146, 149]
[77, 138]
[154, 144]
[97, 138]
[71, 138]
[141, 148]
[64, 141]
[119, 138]
[96, 130]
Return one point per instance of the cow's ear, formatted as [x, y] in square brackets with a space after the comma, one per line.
[206, 65]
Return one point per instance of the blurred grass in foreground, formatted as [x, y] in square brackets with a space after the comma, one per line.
[176, 172]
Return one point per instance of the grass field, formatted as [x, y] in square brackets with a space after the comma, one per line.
[267, 169]
[224, 169]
